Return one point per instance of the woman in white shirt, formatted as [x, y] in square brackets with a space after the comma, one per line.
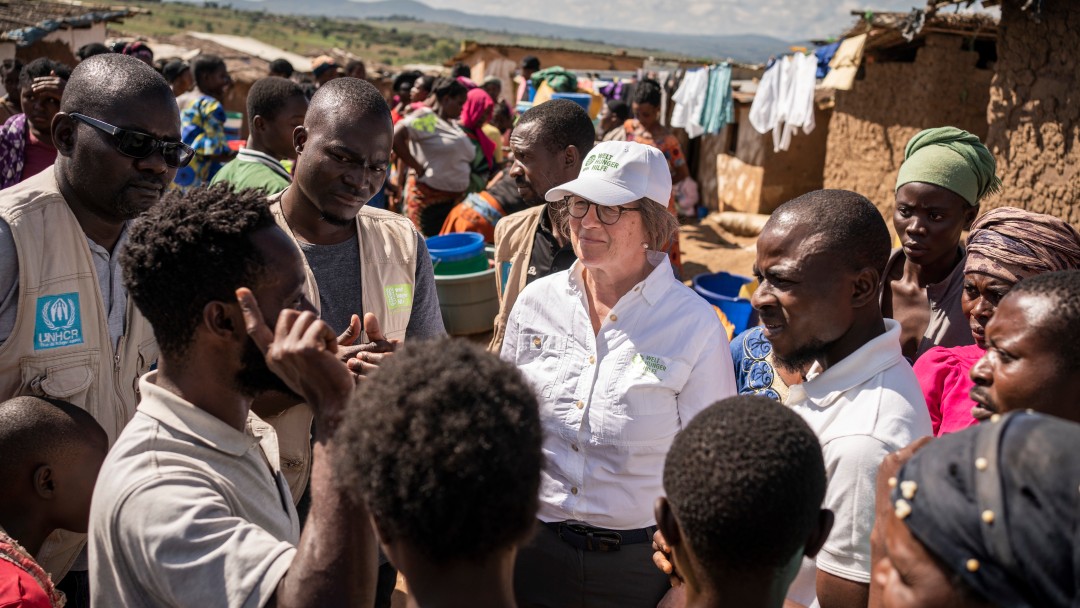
[439, 156]
[622, 356]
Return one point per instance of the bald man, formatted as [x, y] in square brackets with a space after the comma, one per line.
[359, 260]
[67, 329]
[819, 259]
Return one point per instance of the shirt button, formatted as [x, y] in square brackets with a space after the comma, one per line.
[573, 491]
[614, 317]
[573, 446]
[592, 359]
[536, 341]
[580, 404]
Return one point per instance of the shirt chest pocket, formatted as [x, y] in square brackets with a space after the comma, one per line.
[650, 384]
[542, 358]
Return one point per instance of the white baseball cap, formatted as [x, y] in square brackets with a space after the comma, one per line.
[617, 173]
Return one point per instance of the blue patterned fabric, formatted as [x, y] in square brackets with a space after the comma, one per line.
[754, 374]
[202, 126]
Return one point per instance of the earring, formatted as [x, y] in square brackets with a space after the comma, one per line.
[644, 245]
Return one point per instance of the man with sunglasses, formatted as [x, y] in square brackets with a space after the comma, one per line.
[67, 329]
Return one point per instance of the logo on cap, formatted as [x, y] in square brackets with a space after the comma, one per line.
[600, 162]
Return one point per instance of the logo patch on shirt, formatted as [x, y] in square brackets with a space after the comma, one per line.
[59, 321]
[398, 296]
[648, 365]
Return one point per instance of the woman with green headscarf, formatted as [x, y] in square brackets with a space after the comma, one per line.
[945, 174]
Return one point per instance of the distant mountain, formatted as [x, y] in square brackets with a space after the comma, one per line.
[748, 48]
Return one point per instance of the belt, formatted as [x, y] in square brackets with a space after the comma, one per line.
[589, 538]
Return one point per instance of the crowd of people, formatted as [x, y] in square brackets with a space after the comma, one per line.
[227, 382]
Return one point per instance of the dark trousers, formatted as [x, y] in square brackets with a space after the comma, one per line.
[76, 586]
[551, 574]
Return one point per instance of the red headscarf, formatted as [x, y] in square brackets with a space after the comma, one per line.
[477, 109]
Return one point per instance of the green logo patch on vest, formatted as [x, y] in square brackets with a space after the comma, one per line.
[398, 296]
[600, 162]
[58, 322]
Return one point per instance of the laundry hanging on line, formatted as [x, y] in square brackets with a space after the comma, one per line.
[784, 103]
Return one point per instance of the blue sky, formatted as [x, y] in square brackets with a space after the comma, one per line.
[786, 19]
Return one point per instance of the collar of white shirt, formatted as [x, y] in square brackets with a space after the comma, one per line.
[652, 288]
[198, 424]
[824, 387]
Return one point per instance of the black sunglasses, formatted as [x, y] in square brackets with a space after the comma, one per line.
[140, 145]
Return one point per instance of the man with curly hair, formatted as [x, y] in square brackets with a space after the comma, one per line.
[191, 507]
[449, 467]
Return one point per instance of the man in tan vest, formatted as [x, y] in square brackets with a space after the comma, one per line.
[360, 262]
[67, 329]
[549, 143]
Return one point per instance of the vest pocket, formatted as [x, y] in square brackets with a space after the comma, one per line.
[66, 377]
[148, 356]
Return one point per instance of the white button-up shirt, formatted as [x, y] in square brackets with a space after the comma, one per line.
[612, 403]
[867, 405]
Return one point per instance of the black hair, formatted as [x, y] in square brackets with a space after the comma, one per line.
[461, 69]
[648, 91]
[14, 64]
[444, 447]
[746, 480]
[448, 87]
[281, 67]
[204, 65]
[426, 82]
[502, 109]
[561, 123]
[42, 67]
[530, 62]
[405, 78]
[173, 69]
[89, 50]
[173, 246]
[619, 109]
[1062, 288]
[35, 429]
[353, 64]
[360, 97]
[109, 80]
[269, 95]
[852, 227]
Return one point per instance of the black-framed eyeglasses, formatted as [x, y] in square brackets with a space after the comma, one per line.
[608, 215]
[140, 145]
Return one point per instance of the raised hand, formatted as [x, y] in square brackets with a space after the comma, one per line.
[302, 352]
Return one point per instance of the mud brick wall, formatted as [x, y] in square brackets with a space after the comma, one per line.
[1034, 109]
[873, 122]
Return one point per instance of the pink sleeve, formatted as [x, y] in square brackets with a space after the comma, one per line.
[932, 369]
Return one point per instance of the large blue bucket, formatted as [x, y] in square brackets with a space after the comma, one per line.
[721, 289]
[458, 253]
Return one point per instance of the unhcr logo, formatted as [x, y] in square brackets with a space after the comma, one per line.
[59, 322]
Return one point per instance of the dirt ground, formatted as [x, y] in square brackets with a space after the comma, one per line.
[706, 247]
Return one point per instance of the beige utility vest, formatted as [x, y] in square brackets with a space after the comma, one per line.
[514, 235]
[60, 345]
[387, 276]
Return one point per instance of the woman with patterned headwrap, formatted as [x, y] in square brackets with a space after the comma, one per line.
[945, 174]
[1005, 245]
[986, 517]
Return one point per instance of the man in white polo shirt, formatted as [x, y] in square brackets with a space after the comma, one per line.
[819, 260]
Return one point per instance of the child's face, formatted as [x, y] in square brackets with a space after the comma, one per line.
[74, 478]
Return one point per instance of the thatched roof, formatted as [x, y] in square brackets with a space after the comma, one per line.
[27, 21]
[891, 29]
